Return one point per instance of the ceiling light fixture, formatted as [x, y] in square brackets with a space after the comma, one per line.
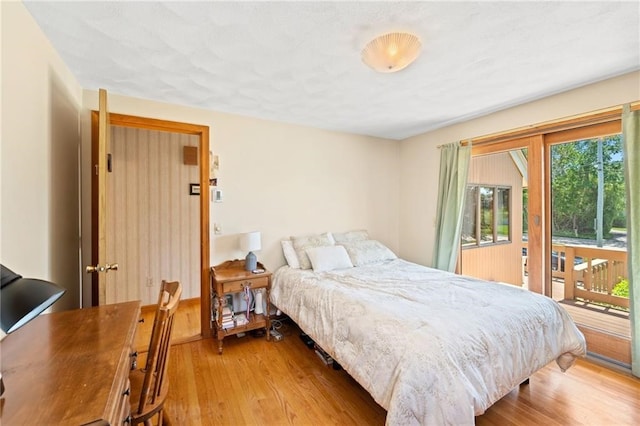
[391, 52]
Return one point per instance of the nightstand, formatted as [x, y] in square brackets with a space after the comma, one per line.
[228, 278]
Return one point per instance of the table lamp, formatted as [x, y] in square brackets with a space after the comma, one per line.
[23, 299]
[250, 242]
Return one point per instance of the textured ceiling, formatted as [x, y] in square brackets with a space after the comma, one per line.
[299, 62]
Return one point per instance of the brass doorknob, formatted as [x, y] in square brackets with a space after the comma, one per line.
[99, 268]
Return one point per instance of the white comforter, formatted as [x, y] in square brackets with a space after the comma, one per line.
[431, 347]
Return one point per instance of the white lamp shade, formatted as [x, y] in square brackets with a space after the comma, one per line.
[391, 52]
[250, 241]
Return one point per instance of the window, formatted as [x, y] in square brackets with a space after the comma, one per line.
[469, 218]
[487, 216]
[502, 214]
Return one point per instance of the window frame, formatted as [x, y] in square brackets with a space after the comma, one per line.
[478, 243]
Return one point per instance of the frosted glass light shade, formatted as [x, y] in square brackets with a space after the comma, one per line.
[250, 241]
[391, 52]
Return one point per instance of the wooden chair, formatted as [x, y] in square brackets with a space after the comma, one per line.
[149, 386]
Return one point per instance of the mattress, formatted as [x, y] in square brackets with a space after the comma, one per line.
[431, 347]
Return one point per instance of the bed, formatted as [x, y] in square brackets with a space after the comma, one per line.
[431, 347]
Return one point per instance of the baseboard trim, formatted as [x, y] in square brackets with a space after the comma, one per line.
[609, 363]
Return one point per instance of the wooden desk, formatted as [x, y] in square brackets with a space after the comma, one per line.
[70, 367]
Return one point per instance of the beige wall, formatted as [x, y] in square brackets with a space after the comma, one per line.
[278, 178]
[420, 157]
[39, 157]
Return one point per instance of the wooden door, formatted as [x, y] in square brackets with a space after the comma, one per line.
[100, 160]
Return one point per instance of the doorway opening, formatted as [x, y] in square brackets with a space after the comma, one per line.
[200, 135]
[588, 255]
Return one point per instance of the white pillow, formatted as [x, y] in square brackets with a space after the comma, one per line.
[345, 237]
[302, 243]
[290, 254]
[329, 258]
[368, 252]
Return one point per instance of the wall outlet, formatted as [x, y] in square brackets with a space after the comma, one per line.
[149, 282]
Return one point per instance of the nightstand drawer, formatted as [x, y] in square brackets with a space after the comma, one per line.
[236, 286]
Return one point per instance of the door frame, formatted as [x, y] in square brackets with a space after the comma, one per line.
[203, 144]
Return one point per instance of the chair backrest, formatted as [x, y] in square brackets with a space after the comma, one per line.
[158, 355]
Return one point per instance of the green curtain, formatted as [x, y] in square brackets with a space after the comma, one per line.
[631, 146]
[454, 168]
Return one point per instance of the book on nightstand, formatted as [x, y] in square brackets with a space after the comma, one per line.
[227, 317]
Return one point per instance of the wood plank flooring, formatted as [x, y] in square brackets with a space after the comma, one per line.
[256, 382]
[186, 325]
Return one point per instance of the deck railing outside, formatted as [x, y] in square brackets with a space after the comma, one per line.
[595, 277]
[594, 274]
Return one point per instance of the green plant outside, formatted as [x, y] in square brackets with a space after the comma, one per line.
[503, 229]
[621, 289]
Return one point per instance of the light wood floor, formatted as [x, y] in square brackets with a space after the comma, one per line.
[186, 325]
[256, 382]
